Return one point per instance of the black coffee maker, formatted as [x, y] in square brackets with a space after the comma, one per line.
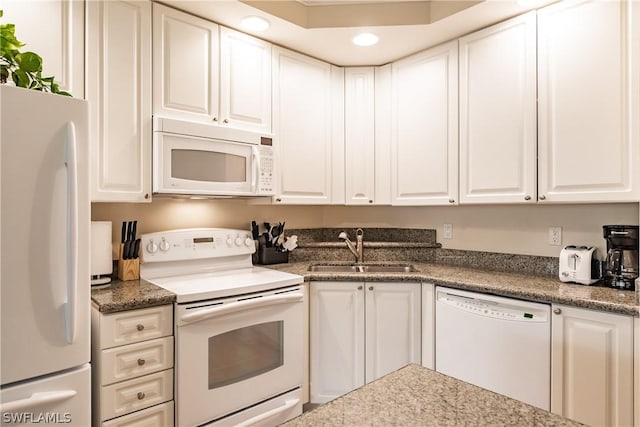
[621, 266]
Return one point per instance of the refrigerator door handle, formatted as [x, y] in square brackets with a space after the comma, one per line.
[37, 400]
[72, 236]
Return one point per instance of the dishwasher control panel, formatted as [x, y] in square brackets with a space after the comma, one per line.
[491, 309]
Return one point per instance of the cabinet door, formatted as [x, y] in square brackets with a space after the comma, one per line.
[245, 81]
[53, 29]
[307, 97]
[393, 333]
[337, 339]
[498, 113]
[359, 136]
[589, 101]
[119, 95]
[424, 163]
[185, 66]
[592, 366]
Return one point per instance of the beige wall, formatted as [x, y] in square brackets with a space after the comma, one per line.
[510, 228]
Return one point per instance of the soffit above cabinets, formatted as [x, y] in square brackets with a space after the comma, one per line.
[324, 28]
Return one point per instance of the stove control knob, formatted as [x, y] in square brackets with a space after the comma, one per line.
[152, 247]
[248, 242]
[229, 241]
[239, 241]
[164, 245]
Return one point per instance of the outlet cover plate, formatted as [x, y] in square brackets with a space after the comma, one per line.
[448, 231]
[555, 236]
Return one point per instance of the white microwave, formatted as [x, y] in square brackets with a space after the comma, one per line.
[207, 160]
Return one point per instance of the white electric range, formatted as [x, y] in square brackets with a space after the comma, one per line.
[239, 336]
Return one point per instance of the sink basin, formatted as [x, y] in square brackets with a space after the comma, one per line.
[342, 268]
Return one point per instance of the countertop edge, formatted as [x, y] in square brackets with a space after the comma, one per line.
[501, 288]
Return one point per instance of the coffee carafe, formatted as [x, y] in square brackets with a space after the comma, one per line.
[621, 266]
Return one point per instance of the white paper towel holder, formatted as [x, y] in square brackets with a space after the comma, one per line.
[101, 253]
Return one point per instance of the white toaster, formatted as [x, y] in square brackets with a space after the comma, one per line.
[580, 264]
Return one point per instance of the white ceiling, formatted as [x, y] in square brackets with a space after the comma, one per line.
[333, 43]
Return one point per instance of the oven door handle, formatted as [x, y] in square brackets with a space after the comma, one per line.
[208, 313]
[259, 418]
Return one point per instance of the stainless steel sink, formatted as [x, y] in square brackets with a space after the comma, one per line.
[353, 268]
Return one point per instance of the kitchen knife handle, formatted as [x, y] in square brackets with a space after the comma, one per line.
[73, 234]
[136, 248]
[123, 233]
[134, 230]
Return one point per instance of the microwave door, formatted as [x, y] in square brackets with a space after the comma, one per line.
[191, 165]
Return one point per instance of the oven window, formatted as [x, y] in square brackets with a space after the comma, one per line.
[244, 353]
[208, 166]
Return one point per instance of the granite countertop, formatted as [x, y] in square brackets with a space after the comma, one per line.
[129, 295]
[417, 396]
[523, 286]
[121, 296]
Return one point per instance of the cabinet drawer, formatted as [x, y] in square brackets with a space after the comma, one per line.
[127, 327]
[135, 360]
[133, 395]
[156, 416]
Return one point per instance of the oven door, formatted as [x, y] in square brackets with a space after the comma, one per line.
[237, 352]
[204, 166]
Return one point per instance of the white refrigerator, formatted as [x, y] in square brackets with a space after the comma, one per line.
[44, 276]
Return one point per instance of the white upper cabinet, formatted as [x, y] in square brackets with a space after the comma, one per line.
[308, 128]
[185, 66]
[53, 29]
[210, 74]
[359, 136]
[382, 125]
[245, 81]
[589, 101]
[119, 95]
[498, 113]
[424, 153]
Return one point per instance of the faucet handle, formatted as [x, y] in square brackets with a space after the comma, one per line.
[359, 234]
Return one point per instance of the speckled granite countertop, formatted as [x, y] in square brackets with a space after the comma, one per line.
[129, 295]
[523, 286]
[417, 396]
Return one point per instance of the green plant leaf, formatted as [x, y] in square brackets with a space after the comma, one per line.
[29, 62]
[21, 78]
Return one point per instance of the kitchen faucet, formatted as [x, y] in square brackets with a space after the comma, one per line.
[357, 249]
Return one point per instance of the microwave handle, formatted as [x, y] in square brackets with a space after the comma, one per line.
[208, 313]
[255, 161]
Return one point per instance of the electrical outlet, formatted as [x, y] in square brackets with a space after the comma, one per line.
[448, 231]
[555, 236]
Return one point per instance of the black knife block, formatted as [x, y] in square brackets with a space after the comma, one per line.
[271, 255]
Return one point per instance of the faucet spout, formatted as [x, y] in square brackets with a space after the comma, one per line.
[356, 249]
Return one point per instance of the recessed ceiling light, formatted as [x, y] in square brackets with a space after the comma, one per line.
[365, 39]
[255, 23]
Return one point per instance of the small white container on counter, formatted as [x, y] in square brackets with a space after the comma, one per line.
[101, 262]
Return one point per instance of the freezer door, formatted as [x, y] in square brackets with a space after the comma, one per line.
[63, 399]
[44, 233]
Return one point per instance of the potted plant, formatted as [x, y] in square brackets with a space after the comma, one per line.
[24, 69]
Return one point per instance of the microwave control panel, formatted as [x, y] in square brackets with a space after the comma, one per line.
[266, 179]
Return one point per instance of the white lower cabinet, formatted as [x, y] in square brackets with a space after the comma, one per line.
[592, 366]
[132, 357]
[360, 332]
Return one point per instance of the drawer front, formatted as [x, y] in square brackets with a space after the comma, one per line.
[134, 360]
[127, 327]
[156, 416]
[139, 393]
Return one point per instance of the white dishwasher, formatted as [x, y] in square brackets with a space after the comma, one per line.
[500, 344]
